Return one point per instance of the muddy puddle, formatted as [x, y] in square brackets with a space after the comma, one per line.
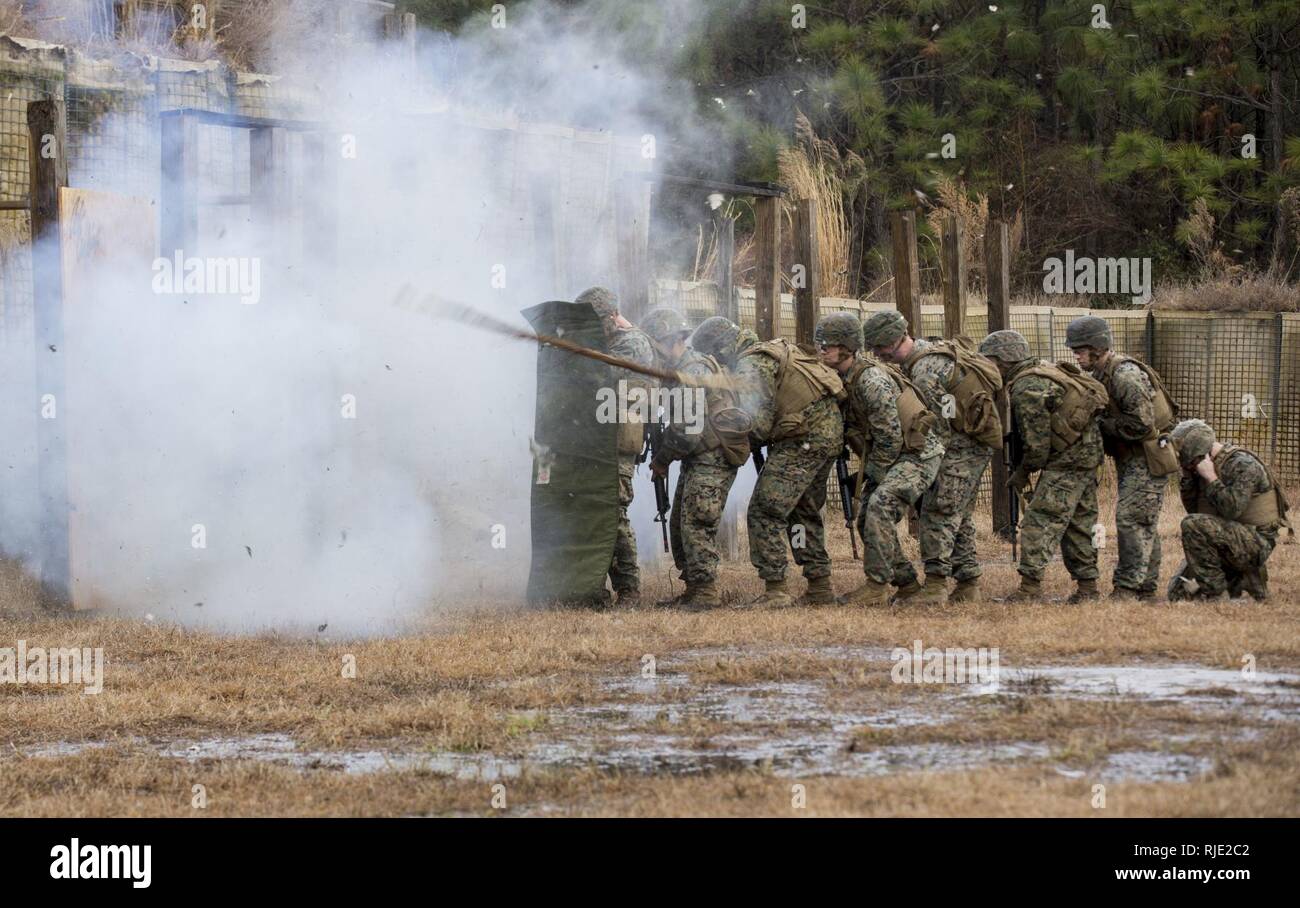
[799, 728]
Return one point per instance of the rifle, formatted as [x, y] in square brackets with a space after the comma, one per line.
[756, 450]
[846, 496]
[654, 439]
[1013, 451]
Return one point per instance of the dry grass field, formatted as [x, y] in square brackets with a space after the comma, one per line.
[1107, 709]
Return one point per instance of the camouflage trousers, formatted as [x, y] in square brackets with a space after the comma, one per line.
[787, 504]
[623, 571]
[881, 510]
[1216, 548]
[1063, 511]
[947, 530]
[698, 502]
[1137, 512]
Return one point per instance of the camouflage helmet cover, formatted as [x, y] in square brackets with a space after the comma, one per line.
[601, 299]
[715, 336]
[839, 328]
[1008, 346]
[663, 324]
[884, 328]
[1089, 331]
[1193, 438]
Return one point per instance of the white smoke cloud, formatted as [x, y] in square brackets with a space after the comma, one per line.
[196, 419]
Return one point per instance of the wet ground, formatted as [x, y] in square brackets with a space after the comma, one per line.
[675, 723]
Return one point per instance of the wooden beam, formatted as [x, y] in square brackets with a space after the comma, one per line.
[47, 133]
[907, 270]
[178, 214]
[725, 229]
[767, 283]
[807, 298]
[954, 277]
[997, 269]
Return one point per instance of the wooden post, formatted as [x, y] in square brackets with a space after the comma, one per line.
[807, 298]
[725, 228]
[179, 196]
[907, 270]
[767, 283]
[47, 134]
[632, 234]
[954, 277]
[997, 264]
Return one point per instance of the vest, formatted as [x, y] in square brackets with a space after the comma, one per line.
[974, 386]
[802, 379]
[631, 432]
[727, 426]
[1265, 510]
[913, 415]
[1162, 460]
[1084, 398]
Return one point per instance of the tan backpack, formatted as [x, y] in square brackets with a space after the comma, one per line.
[801, 380]
[974, 386]
[1084, 398]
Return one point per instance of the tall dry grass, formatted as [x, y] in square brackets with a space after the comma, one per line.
[814, 168]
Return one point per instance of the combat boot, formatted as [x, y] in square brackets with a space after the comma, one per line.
[905, 592]
[871, 595]
[935, 591]
[1084, 591]
[701, 597]
[965, 591]
[777, 595]
[1254, 581]
[678, 599]
[629, 598]
[1028, 589]
[819, 592]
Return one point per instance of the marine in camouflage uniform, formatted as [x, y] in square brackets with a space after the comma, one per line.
[1235, 511]
[946, 523]
[790, 493]
[1063, 508]
[629, 342]
[709, 461]
[893, 475]
[1129, 422]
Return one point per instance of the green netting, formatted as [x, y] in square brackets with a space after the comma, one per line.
[575, 467]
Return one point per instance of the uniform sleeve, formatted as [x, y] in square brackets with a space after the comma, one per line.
[634, 346]
[1031, 405]
[879, 399]
[1135, 399]
[930, 376]
[685, 437]
[1242, 478]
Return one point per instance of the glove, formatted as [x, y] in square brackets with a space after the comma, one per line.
[1019, 480]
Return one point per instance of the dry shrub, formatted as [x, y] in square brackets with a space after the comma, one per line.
[815, 169]
[1244, 293]
[1197, 233]
[1286, 239]
[974, 215]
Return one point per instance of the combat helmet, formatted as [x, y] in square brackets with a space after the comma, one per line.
[601, 299]
[1089, 331]
[883, 329]
[664, 325]
[1193, 438]
[716, 336]
[1007, 346]
[839, 329]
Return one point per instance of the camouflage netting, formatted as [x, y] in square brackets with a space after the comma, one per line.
[575, 463]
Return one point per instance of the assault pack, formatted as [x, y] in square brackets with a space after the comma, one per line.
[914, 416]
[802, 379]
[974, 385]
[1084, 398]
[1162, 460]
